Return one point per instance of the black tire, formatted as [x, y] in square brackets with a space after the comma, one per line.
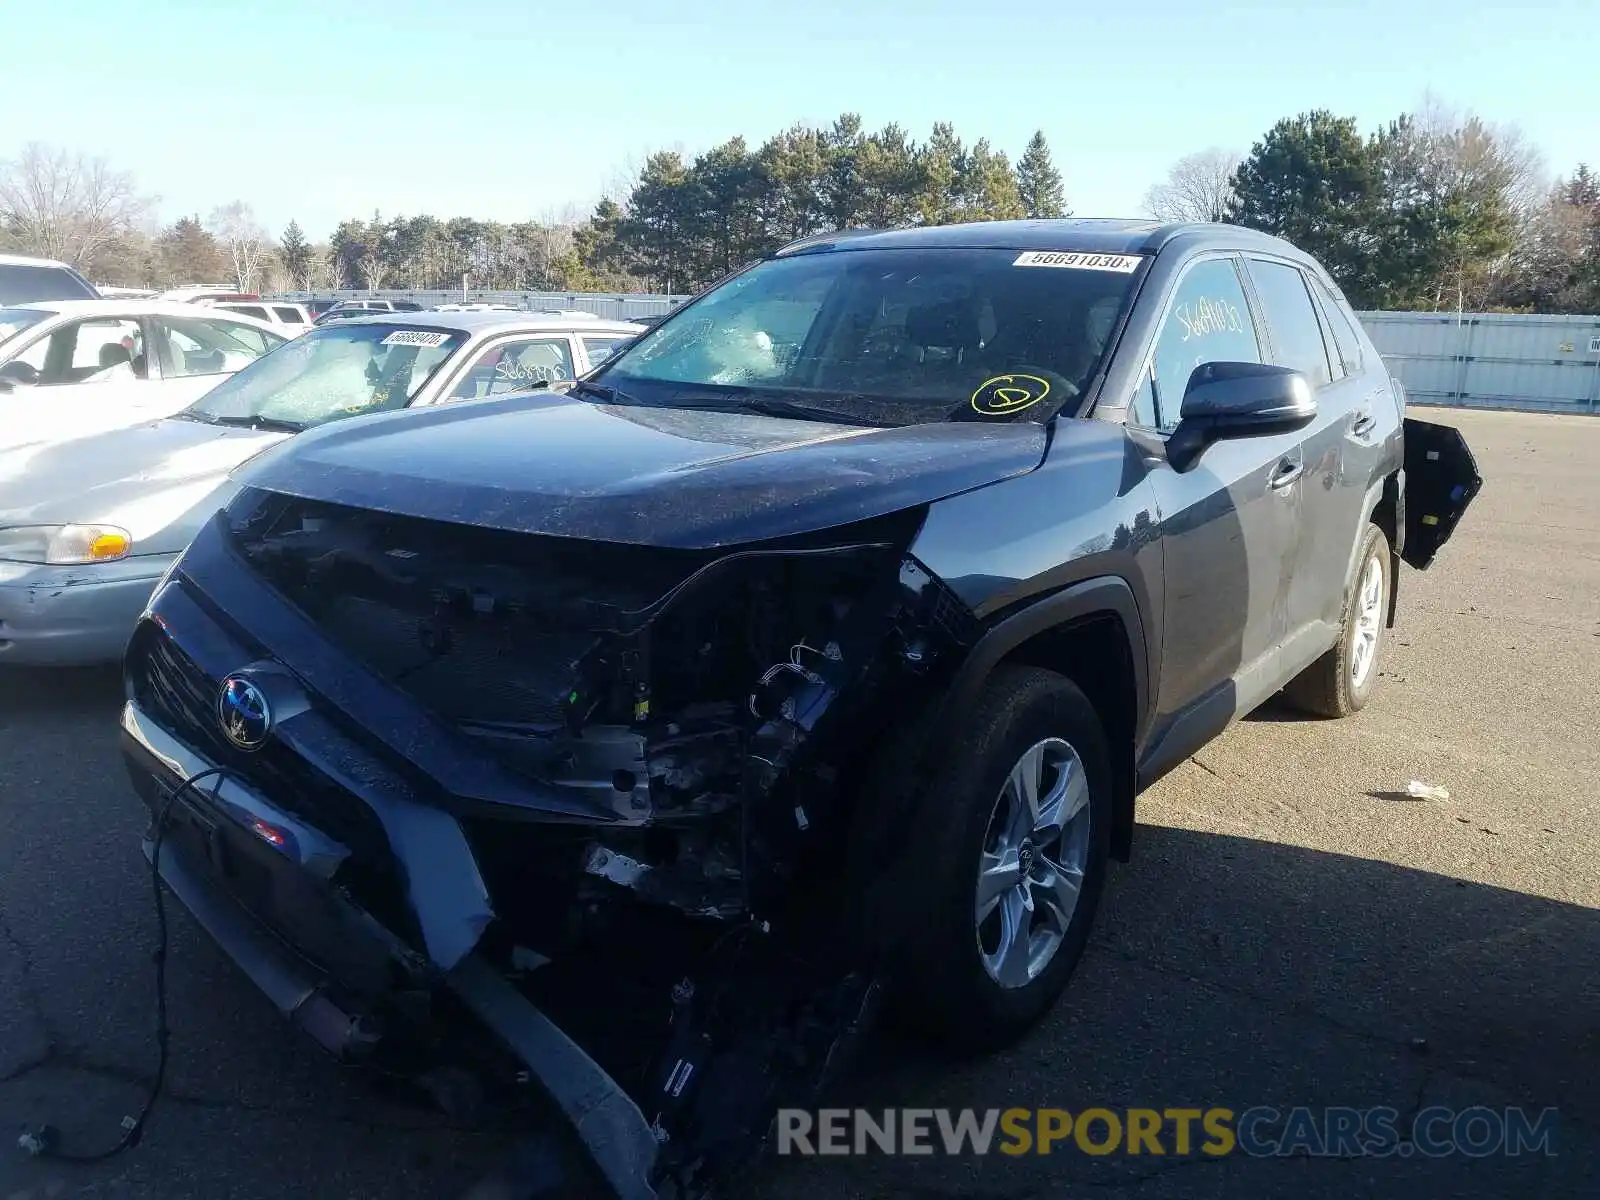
[925, 917]
[1327, 687]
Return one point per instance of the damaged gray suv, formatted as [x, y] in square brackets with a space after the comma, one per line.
[812, 650]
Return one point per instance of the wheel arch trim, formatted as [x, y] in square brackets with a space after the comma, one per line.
[1095, 597]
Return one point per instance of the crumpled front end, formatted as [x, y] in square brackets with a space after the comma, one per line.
[606, 775]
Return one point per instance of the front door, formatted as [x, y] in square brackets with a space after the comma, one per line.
[81, 378]
[517, 365]
[1228, 523]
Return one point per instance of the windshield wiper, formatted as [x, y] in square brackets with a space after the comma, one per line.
[768, 406]
[600, 391]
[269, 424]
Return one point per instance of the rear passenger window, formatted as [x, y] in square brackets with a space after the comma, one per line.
[250, 310]
[1335, 359]
[1344, 332]
[290, 315]
[1296, 333]
[1209, 321]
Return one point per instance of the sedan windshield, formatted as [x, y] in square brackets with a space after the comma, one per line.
[338, 371]
[887, 336]
[14, 320]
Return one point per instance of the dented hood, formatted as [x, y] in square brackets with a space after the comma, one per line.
[650, 476]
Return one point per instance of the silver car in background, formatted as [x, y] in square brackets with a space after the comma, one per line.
[89, 526]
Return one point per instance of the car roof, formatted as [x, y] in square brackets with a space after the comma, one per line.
[111, 306]
[1093, 235]
[27, 260]
[491, 321]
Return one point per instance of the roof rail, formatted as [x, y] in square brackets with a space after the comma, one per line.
[817, 239]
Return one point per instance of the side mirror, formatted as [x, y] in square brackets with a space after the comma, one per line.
[1234, 400]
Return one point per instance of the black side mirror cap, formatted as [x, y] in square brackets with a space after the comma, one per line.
[1237, 399]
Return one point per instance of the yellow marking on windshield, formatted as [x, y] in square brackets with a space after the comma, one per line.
[1006, 394]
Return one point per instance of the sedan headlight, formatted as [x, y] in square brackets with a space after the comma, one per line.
[64, 545]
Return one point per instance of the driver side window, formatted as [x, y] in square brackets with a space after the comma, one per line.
[1208, 321]
[99, 350]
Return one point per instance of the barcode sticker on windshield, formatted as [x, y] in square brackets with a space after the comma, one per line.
[1078, 261]
[415, 337]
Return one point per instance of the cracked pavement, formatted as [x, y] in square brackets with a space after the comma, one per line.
[1293, 930]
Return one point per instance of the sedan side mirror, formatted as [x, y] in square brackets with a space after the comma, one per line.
[1238, 399]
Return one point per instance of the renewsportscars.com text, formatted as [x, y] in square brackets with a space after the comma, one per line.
[1260, 1131]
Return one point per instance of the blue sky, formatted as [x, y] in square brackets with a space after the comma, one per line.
[321, 109]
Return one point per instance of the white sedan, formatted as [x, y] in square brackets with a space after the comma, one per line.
[88, 525]
[71, 368]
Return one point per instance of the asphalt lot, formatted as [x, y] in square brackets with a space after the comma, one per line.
[1292, 930]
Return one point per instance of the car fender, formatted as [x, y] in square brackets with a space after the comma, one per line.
[1377, 490]
[1084, 600]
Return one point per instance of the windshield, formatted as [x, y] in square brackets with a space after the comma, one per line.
[888, 336]
[333, 372]
[14, 320]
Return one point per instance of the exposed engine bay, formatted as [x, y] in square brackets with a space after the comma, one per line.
[717, 711]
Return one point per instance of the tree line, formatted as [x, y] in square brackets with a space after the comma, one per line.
[1435, 210]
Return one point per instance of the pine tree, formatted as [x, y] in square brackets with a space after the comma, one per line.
[295, 253]
[1038, 181]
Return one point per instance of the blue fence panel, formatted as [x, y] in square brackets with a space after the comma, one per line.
[1492, 360]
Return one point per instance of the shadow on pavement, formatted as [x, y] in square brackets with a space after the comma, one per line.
[1233, 972]
[1226, 971]
[66, 691]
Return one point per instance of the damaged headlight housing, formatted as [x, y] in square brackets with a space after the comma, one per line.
[65, 545]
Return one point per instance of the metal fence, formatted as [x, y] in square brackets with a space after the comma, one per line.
[1465, 360]
[1492, 360]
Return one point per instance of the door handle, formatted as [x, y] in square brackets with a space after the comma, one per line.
[1286, 472]
[1363, 422]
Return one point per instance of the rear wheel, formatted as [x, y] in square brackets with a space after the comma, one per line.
[1342, 680]
[1006, 858]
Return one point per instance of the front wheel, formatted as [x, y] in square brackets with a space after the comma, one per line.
[1006, 862]
[1342, 680]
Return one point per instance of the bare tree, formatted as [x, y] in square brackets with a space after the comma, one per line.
[1475, 155]
[1197, 188]
[552, 238]
[623, 179]
[320, 274]
[67, 206]
[246, 243]
[374, 271]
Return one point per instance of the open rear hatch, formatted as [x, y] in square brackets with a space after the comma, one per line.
[1441, 480]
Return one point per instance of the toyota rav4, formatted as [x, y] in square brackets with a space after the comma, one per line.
[812, 649]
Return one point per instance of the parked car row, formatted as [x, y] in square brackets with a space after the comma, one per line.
[119, 425]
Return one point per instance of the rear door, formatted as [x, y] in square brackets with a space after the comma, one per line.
[197, 353]
[1341, 449]
[1441, 480]
[597, 347]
